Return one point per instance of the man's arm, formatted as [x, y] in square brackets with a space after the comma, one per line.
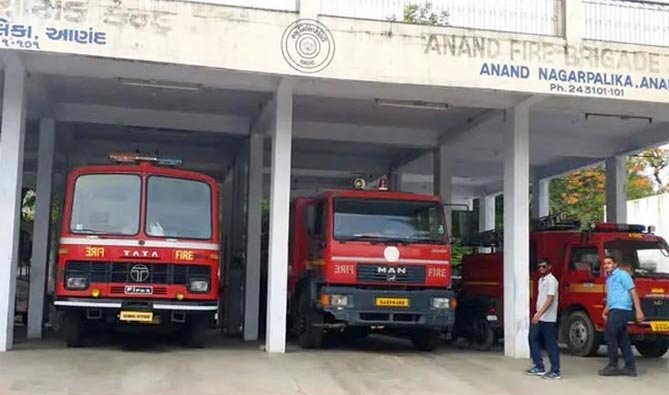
[637, 305]
[542, 311]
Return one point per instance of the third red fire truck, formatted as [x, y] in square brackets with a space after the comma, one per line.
[368, 259]
[576, 257]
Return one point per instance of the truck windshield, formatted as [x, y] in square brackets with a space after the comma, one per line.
[647, 258]
[178, 208]
[388, 220]
[106, 204]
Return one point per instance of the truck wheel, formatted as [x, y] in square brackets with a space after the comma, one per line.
[582, 339]
[73, 329]
[425, 339]
[482, 336]
[196, 331]
[310, 336]
[653, 348]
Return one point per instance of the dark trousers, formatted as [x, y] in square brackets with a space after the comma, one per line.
[545, 333]
[617, 336]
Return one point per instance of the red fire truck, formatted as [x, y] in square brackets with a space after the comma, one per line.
[139, 246]
[576, 257]
[364, 260]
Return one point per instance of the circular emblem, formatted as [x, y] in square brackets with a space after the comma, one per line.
[391, 253]
[307, 45]
[139, 273]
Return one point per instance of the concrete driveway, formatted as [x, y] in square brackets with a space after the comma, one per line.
[376, 366]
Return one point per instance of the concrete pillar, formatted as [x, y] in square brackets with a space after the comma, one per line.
[253, 238]
[486, 213]
[540, 198]
[616, 189]
[574, 21]
[41, 227]
[443, 181]
[12, 137]
[516, 231]
[277, 280]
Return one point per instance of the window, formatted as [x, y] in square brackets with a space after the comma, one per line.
[644, 258]
[388, 220]
[106, 204]
[584, 259]
[178, 208]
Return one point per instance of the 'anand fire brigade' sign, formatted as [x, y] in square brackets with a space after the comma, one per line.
[262, 41]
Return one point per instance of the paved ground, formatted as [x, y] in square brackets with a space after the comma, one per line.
[377, 366]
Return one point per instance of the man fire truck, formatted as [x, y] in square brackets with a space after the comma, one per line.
[364, 260]
[139, 246]
[576, 257]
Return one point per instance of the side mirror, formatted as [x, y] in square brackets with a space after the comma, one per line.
[310, 220]
[595, 270]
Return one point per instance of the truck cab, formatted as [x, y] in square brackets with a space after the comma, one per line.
[576, 257]
[139, 247]
[364, 260]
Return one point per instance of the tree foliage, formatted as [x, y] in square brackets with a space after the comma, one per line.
[656, 160]
[423, 14]
[582, 195]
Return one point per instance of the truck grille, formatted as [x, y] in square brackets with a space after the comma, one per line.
[391, 274]
[156, 273]
[655, 309]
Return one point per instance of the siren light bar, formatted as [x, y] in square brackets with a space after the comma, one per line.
[613, 227]
[124, 157]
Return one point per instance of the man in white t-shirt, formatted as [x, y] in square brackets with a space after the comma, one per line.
[544, 324]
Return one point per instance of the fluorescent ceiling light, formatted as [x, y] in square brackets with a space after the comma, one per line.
[621, 117]
[161, 84]
[422, 105]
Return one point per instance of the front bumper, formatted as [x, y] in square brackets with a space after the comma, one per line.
[144, 305]
[363, 309]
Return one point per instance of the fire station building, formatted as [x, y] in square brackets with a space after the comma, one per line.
[281, 98]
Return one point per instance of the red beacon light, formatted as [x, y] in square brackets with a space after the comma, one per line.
[122, 157]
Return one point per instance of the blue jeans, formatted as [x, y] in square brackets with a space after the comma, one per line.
[617, 336]
[545, 333]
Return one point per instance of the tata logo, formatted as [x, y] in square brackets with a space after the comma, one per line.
[140, 254]
[139, 273]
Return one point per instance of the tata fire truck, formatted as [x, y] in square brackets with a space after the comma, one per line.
[139, 247]
[364, 260]
[576, 257]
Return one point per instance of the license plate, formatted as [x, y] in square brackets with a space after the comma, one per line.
[392, 302]
[136, 316]
[659, 326]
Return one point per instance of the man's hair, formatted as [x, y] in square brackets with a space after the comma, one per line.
[543, 260]
[611, 258]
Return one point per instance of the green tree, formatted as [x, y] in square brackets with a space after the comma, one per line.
[582, 195]
[423, 14]
[656, 160]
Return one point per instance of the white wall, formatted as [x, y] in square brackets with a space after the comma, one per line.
[653, 210]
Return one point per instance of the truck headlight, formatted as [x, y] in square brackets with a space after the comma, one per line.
[441, 303]
[74, 283]
[198, 286]
[339, 300]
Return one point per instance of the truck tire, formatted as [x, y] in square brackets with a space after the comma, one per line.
[73, 329]
[582, 339]
[196, 331]
[426, 339]
[655, 348]
[482, 336]
[309, 335]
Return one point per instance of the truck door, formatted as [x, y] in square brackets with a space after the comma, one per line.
[581, 283]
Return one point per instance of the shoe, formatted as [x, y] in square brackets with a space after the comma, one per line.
[610, 371]
[552, 376]
[628, 372]
[535, 371]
